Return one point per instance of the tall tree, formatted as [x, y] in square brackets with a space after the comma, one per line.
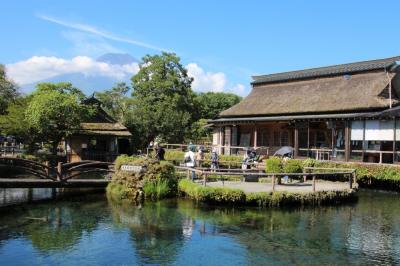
[212, 103]
[8, 90]
[116, 101]
[164, 100]
[55, 112]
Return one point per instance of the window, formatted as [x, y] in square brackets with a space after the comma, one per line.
[284, 138]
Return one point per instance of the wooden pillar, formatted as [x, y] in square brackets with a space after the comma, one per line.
[313, 183]
[59, 171]
[255, 136]
[273, 183]
[296, 141]
[394, 140]
[363, 142]
[308, 138]
[347, 141]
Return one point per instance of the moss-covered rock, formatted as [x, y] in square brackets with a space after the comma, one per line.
[156, 180]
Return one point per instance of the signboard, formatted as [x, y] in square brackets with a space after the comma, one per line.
[132, 168]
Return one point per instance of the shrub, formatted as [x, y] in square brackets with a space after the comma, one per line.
[293, 166]
[309, 162]
[209, 194]
[274, 165]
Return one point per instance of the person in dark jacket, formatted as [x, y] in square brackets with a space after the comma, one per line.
[160, 153]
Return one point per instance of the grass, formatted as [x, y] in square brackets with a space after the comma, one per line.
[262, 199]
[156, 190]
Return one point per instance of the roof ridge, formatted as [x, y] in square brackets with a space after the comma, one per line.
[332, 70]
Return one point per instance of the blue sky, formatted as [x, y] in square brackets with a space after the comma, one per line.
[223, 42]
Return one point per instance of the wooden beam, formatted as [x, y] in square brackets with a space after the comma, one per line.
[296, 141]
[363, 142]
[347, 141]
[255, 136]
[394, 140]
[47, 183]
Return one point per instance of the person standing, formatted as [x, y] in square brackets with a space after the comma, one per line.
[200, 157]
[190, 160]
[214, 160]
[160, 153]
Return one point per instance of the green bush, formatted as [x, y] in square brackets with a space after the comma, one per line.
[274, 165]
[293, 166]
[309, 162]
[209, 194]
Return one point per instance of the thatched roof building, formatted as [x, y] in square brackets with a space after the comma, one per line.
[355, 87]
[357, 91]
[101, 139]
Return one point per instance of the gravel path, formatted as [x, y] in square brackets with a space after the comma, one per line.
[290, 187]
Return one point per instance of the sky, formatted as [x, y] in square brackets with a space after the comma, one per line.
[222, 43]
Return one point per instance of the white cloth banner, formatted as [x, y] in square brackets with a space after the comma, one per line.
[357, 130]
[375, 130]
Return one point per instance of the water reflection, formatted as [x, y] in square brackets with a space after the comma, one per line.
[98, 232]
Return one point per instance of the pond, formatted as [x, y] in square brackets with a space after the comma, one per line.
[91, 230]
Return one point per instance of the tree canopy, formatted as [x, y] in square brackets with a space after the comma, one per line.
[55, 111]
[116, 101]
[8, 90]
[164, 100]
[212, 103]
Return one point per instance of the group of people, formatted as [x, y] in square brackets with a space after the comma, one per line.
[193, 158]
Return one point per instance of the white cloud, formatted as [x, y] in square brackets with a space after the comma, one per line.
[38, 68]
[212, 81]
[93, 30]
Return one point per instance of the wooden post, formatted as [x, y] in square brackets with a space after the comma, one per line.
[59, 171]
[273, 183]
[347, 141]
[351, 181]
[188, 174]
[394, 140]
[47, 168]
[304, 176]
[255, 136]
[296, 141]
[308, 138]
[313, 183]
[363, 142]
[355, 177]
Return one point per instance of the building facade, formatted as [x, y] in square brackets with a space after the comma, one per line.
[100, 139]
[348, 112]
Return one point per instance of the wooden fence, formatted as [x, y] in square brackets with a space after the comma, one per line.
[310, 172]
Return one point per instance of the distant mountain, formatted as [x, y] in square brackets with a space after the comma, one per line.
[117, 59]
[89, 84]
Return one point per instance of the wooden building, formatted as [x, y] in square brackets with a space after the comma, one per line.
[100, 139]
[348, 112]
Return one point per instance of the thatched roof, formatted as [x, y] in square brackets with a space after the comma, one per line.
[362, 88]
[109, 129]
[343, 69]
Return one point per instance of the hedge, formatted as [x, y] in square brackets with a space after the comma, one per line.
[262, 199]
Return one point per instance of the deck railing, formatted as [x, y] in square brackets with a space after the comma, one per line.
[310, 172]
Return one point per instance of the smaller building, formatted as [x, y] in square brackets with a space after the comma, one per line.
[100, 139]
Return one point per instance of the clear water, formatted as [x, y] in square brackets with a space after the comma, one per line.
[94, 231]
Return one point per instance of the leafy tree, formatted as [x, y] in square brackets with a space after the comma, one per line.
[212, 103]
[199, 131]
[13, 122]
[116, 102]
[55, 112]
[8, 90]
[164, 101]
